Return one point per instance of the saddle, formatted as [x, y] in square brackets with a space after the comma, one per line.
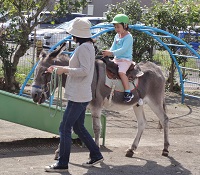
[132, 73]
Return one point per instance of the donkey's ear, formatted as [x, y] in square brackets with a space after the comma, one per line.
[43, 54]
[55, 53]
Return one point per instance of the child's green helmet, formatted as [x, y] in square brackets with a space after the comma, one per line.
[120, 18]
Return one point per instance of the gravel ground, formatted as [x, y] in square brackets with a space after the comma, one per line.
[25, 150]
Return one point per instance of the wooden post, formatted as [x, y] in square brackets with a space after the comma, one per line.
[39, 48]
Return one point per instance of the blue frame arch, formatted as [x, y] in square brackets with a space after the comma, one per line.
[156, 33]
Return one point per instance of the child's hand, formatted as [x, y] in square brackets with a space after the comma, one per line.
[106, 53]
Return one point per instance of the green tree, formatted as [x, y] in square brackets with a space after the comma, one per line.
[173, 16]
[22, 26]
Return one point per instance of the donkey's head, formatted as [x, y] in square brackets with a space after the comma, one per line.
[40, 87]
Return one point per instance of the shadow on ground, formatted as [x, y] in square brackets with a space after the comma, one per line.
[172, 98]
[150, 167]
[38, 146]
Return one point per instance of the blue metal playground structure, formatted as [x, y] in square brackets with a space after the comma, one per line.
[157, 35]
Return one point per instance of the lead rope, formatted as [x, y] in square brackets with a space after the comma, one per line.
[53, 89]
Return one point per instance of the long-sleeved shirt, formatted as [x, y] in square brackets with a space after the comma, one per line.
[80, 76]
[122, 47]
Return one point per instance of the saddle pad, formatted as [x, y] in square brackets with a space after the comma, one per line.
[118, 84]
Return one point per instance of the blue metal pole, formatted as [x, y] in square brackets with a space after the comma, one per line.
[27, 79]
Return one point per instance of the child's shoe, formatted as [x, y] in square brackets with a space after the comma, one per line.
[128, 96]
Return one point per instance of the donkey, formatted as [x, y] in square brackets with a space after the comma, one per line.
[150, 88]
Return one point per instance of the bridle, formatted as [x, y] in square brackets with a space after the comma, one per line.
[45, 87]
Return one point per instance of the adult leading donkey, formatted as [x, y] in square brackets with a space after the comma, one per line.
[150, 88]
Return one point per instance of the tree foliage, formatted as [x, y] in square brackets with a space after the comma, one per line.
[22, 26]
[173, 16]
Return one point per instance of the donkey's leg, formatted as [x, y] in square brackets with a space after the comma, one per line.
[96, 121]
[141, 123]
[158, 109]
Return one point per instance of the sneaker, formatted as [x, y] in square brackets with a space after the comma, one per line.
[128, 96]
[56, 168]
[92, 162]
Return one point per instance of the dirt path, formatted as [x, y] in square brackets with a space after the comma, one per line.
[26, 151]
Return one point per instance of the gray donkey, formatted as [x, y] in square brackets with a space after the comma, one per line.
[150, 89]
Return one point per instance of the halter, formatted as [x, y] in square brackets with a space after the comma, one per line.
[44, 87]
[37, 87]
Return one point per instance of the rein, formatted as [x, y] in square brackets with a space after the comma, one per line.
[53, 82]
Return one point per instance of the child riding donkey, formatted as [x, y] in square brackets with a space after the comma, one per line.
[121, 49]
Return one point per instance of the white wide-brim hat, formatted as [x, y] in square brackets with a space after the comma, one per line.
[80, 27]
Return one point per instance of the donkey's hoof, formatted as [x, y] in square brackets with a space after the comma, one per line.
[165, 152]
[129, 153]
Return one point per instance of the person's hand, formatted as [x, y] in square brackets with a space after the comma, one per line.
[59, 69]
[106, 53]
[50, 69]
